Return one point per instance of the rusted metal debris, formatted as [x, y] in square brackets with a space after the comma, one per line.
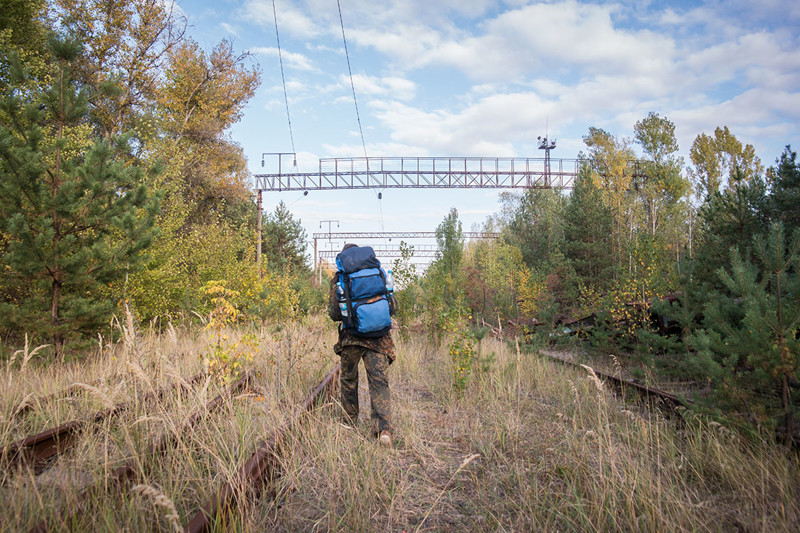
[262, 466]
[38, 449]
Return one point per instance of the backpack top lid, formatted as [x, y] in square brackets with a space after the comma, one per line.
[357, 258]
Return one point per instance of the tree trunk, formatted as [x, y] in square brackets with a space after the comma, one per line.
[788, 417]
[55, 315]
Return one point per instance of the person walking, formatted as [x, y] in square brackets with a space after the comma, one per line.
[352, 305]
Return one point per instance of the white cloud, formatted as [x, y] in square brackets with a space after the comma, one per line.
[614, 76]
[486, 128]
[394, 87]
[229, 28]
[290, 20]
[756, 59]
[290, 59]
[523, 41]
[482, 77]
[323, 48]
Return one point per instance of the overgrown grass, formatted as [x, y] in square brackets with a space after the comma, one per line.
[529, 445]
[289, 361]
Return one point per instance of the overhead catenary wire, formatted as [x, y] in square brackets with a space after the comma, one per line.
[283, 79]
[379, 195]
[352, 85]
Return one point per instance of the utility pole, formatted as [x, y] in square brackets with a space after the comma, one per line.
[319, 270]
[259, 202]
[258, 230]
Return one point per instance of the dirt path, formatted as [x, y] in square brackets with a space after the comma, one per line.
[463, 464]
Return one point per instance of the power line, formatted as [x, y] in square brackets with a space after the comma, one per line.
[352, 85]
[283, 78]
[355, 102]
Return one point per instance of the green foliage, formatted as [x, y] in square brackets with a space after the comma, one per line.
[183, 259]
[73, 210]
[750, 349]
[23, 39]
[660, 186]
[588, 225]
[126, 45]
[225, 358]
[201, 97]
[460, 346]
[534, 224]
[443, 284]
[730, 219]
[403, 270]
[609, 159]
[407, 291]
[624, 311]
[672, 352]
[784, 198]
[721, 161]
[283, 241]
[447, 266]
[279, 298]
[491, 269]
[531, 288]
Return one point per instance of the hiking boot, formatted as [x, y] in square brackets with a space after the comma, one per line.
[385, 439]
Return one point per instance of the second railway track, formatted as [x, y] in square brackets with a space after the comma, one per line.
[623, 386]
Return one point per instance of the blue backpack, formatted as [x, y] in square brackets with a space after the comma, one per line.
[365, 301]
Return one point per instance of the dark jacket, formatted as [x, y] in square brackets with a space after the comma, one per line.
[383, 344]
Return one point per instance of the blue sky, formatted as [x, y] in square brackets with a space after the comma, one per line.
[485, 78]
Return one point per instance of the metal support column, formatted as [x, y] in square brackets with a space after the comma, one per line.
[258, 230]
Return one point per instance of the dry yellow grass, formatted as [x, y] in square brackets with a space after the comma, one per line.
[531, 446]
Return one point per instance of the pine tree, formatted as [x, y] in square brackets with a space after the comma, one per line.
[284, 241]
[71, 207]
[588, 230]
[751, 349]
[785, 190]
[729, 219]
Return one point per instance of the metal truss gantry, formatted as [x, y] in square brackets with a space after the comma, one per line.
[386, 251]
[425, 172]
[401, 235]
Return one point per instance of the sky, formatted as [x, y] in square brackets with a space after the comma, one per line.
[486, 78]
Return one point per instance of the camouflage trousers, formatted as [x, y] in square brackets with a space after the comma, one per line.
[377, 365]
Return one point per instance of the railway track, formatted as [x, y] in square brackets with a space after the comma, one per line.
[250, 478]
[262, 465]
[28, 404]
[623, 386]
[38, 449]
[128, 472]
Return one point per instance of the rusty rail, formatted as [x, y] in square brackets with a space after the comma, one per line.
[128, 471]
[673, 401]
[69, 392]
[39, 448]
[261, 466]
